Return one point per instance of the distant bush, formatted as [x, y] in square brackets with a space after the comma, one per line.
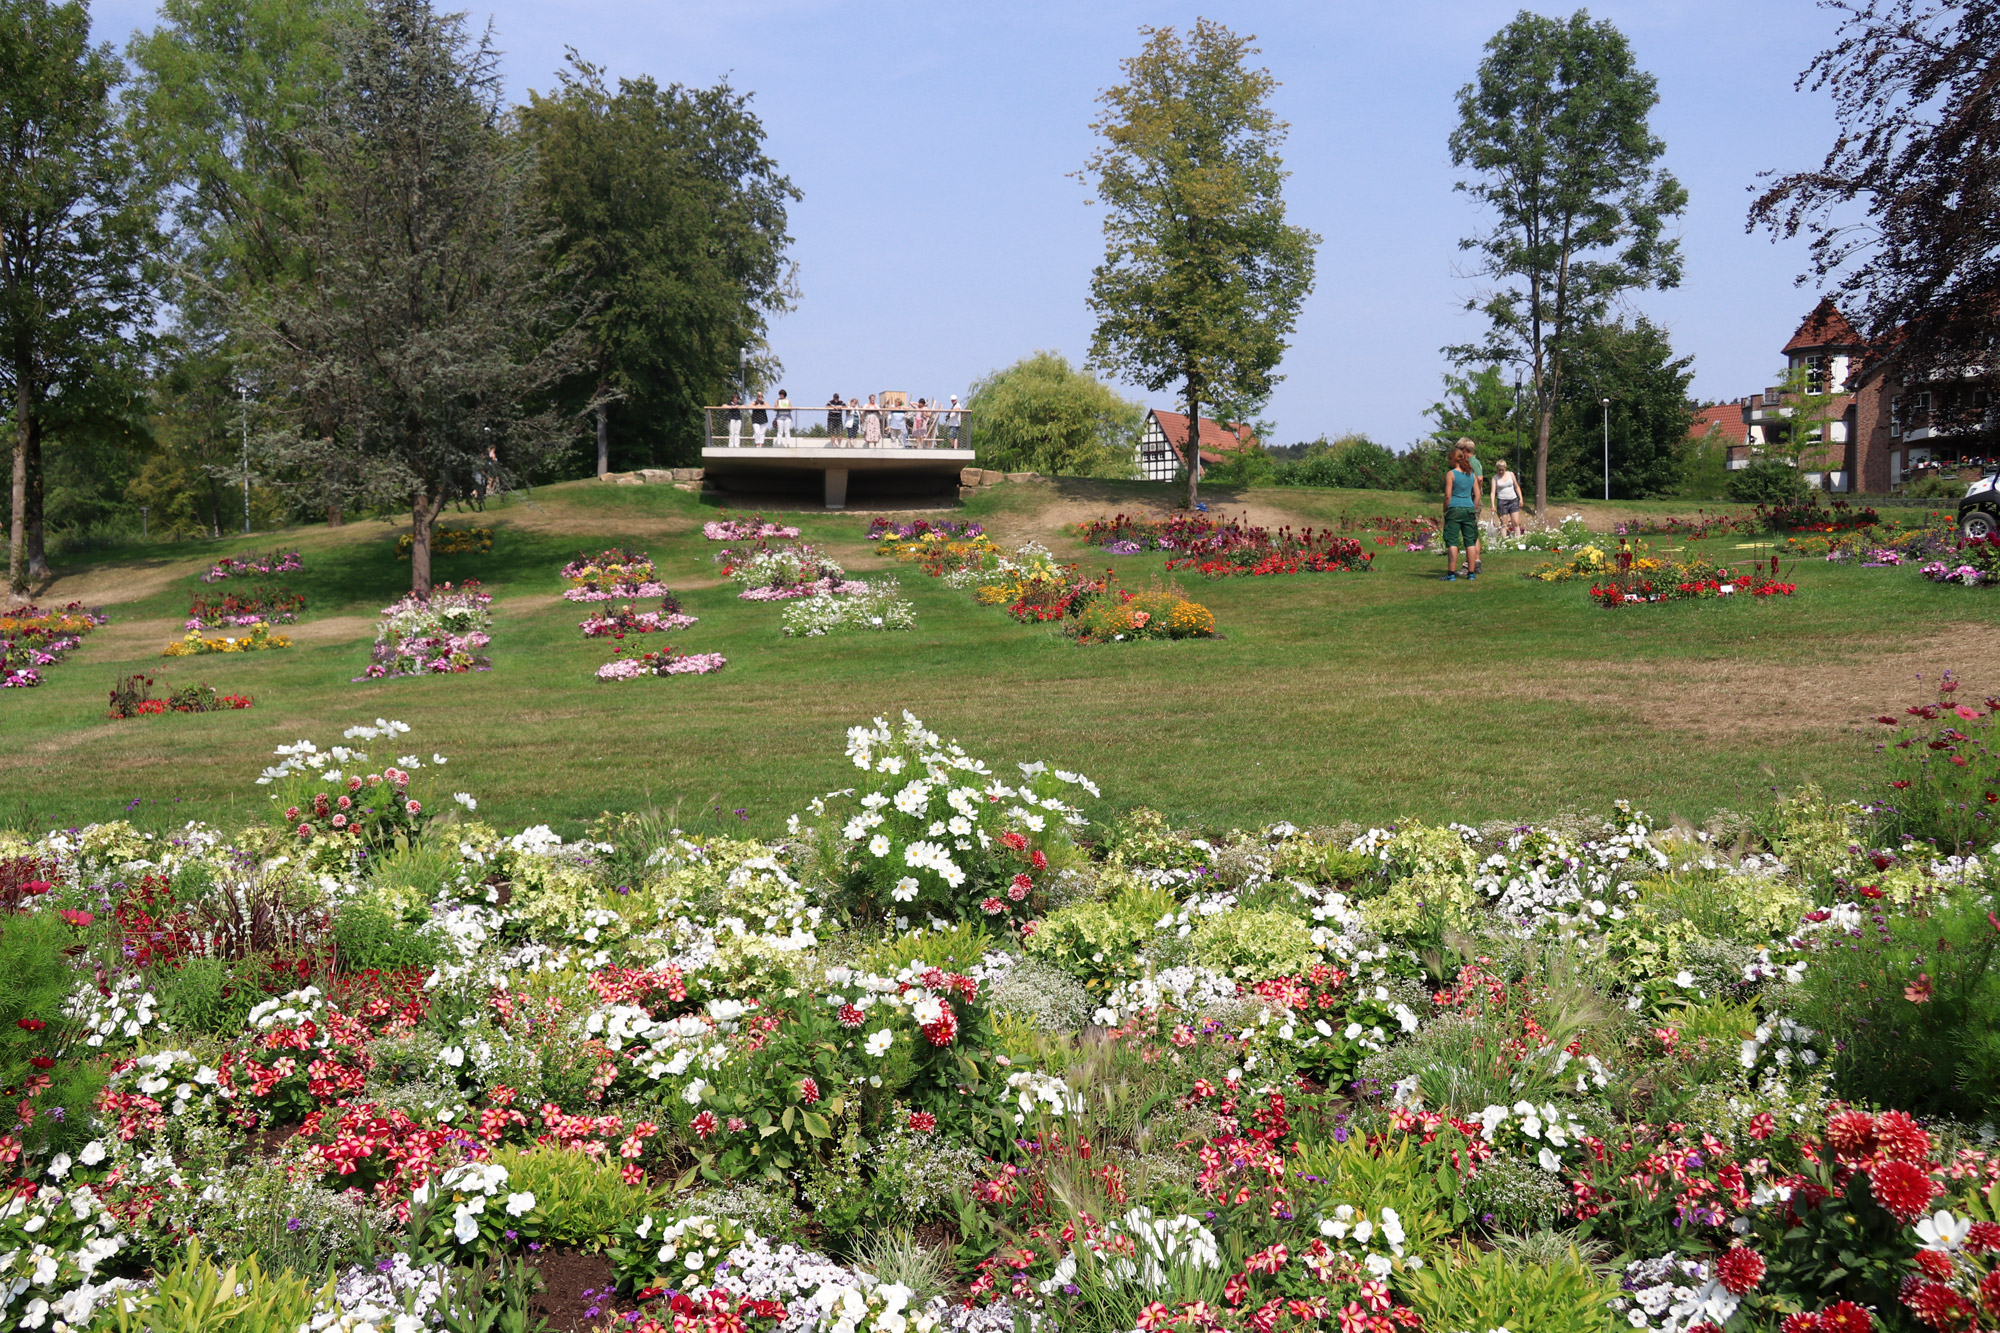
[1766, 481]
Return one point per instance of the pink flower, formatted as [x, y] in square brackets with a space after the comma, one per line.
[345, 803]
[80, 920]
[305, 830]
[852, 1016]
[992, 906]
[340, 821]
[1017, 893]
[414, 807]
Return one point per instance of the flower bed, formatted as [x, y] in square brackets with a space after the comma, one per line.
[1036, 588]
[443, 634]
[754, 529]
[259, 639]
[275, 562]
[132, 696]
[1597, 1073]
[1689, 580]
[870, 606]
[259, 606]
[782, 573]
[628, 620]
[1975, 564]
[1808, 515]
[1226, 548]
[616, 574]
[886, 529]
[660, 662]
[31, 639]
[450, 541]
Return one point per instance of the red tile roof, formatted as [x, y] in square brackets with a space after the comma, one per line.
[1824, 327]
[1724, 420]
[1217, 439]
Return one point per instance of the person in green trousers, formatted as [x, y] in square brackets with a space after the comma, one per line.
[1461, 513]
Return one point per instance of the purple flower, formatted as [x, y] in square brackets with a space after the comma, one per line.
[294, 1224]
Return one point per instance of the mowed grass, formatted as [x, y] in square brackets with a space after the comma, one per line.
[1328, 698]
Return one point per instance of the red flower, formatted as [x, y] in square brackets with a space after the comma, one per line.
[851, 1016]
[292, 815]
[1936, 1264]
[922, 1121]
[1023, 883]
[1983, 1238]
[42, 1062]
[703, 1124]
[31, 1024]
[1919, 991]
[1940, 1306]
[992, 906]
[1852, 1133]
[1903, 1189]
[1739, 1270]
[808, 1090]
[1902, 1138]
[1762, 1125]
[1040, 860]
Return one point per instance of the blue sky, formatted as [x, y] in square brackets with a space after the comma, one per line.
[941, 236]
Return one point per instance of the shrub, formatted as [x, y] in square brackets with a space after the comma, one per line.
[1045, 997]
[582, 1199]
[242, 1298]
[1253, 946]
[1472, 1289]
[368, 935]
[39, 1044]
[1099, 942]
[1766, 481]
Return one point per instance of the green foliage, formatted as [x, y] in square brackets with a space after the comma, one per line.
[1766, 481]
[955, 950]
[1254, 946]
[369, 934]
[35, 980]
[1473, 1289]
[1481, 407]
[1942, 771]
[1429, 872]
[1041, 414]
[210, 995]
[1348, 462]
[492, 1298]
[1914, 1004]
[1512, 1193]
[1143, 837]
[899, 1180]
[895, 1255]
[672, 210]
[1635, 367]
[1099, 942]
[1202, 278]
[581, 1199]
[192, 1293]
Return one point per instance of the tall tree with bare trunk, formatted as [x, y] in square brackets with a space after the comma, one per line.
[73, 227]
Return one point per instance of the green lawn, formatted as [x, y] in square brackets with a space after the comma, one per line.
[1329, 697]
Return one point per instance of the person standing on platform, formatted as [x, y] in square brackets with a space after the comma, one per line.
[897, 427]
[871, 423]
[759, 419]
[783, 416]
[920, 423]
[853, 417]
[733, 414]
[836, 417]
[953, 421]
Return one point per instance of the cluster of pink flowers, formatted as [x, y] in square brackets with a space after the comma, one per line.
[275, 562]
[665, 662]
[745, 530]
[820, 588]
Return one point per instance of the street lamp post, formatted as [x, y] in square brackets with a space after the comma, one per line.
[1606, 402]
[1517, 423]
[243, 397]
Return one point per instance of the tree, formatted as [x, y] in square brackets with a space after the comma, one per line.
[1202, 277]
[1043, 415]
[1481, 407]
[223, 94]
[427, 315]
[674, 218]
[1916, 93]
[73, 226]
[1633, 365]
[1554, 129]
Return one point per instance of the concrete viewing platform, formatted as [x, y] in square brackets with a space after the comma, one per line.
[888, 470]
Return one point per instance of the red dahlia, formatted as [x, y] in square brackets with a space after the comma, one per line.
[1936, 1264]
[922, 1121]
[1852, 1133]
[1940, 1306]
[1739, 1270]
[1983, 1237]
[1901, 1188]
[1901, 1137]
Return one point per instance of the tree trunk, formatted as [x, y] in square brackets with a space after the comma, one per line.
[1193, 445]
[334, 518]
[17, 532]
[36, 552]
[1545, 415]
[423, 515]
[603, 444]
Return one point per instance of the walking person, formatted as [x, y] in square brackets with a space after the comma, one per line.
[759, 418]
[783, 416]
[733, 414]
[1461, 514]
[836, 416]
[1507, 500]
[871, 423]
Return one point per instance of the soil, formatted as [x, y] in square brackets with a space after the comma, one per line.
[575, 1282]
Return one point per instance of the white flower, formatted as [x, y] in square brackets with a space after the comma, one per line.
[518, 1205]
[465, 799]
[905, 890]
[879, 1042]
[464, 1228]
[1941, 1231]
[1550, 1162]
[878, 845]
[93, 1153]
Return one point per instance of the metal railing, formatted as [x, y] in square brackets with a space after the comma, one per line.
[848, 426]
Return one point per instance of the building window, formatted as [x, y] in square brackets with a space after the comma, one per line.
[1896, 417]
[1815, 364]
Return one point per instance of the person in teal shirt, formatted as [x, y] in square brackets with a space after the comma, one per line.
[1461, 512]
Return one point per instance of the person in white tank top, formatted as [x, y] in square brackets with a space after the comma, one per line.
[1507, 500]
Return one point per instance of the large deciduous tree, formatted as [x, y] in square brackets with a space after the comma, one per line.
[1042, 414]
[427, 318]
[1906, 206]
[1202, 277]
[674, 218]
[1553, 129]
[73, 228]
[1633, 364]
